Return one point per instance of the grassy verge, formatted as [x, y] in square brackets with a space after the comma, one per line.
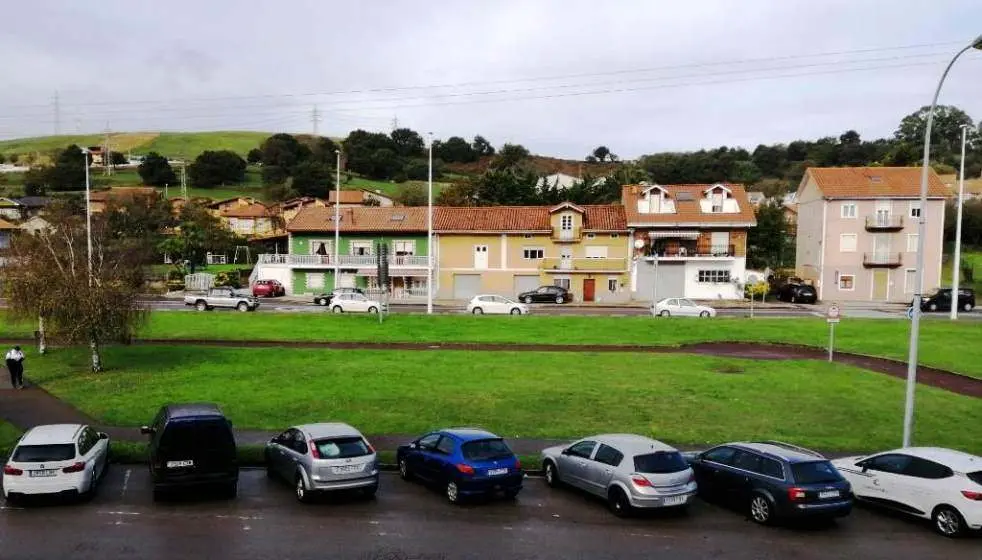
[8, 437]
[682, 399]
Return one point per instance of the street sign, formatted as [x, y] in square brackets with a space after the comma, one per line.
[832, 314]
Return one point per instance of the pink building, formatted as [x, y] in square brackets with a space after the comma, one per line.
[857, 232]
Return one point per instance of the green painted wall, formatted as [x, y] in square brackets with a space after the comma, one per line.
[300, 244]
[300, 281]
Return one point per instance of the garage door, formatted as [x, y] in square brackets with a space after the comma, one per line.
[525, 284]
[466, 286]
[671, 280]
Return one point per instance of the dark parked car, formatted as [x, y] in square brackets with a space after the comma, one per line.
[797, 293]
[268, 288]
[192, 445]
[546, 294]
[941, 300]
[772, 480]
[463, 462]
[326, 298]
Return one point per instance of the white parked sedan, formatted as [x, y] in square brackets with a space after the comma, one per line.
[56, 459]
[942, 485]
[354, 303]
[681, 307]
[496, 305]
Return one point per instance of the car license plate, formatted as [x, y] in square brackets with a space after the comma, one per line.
[347, 469]
[45, 472]
[828, 494]
[179, 464]
[497, 472]
[674, 500]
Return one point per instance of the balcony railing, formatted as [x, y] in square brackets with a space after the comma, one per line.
[889, 260]
[878, 222]
[343, 260]
[398, 294]
[553, 264]
[566, 235]
[694, 251]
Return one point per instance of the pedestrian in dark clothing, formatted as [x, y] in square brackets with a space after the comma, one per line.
[15, 365]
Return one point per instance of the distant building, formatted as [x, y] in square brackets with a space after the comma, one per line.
[100, 199]
[360, 197]
[756, 198]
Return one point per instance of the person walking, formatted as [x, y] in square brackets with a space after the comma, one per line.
[15, 365]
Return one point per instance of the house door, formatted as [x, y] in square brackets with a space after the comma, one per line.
[589, 289]
[881, 280]
[883, 213]
[720, 243]
[566, 259]
[881, 246]
[481, 257]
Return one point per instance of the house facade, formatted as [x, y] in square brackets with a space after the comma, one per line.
[687, 240]
[858, 232]
[309, 266]
[507, 250]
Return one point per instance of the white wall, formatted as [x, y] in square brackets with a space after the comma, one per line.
[279, 272]
[696, 290]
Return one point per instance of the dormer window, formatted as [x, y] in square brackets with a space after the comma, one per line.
[566, 222]
[717, 197]
[655, 200]
[876, 179]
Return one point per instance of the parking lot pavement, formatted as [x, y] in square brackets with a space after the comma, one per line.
[409, 521]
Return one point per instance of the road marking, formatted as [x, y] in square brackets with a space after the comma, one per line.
[119, 513]
[3, 508]
[126, 482]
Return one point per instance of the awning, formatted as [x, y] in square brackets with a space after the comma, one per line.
[673, 234]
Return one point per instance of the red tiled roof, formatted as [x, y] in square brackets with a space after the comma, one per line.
[874, 182]
[121, 193]
[4, 224]
[366, 219]
[607, 217]
[687, 211]
[255, 210]
[348, 197]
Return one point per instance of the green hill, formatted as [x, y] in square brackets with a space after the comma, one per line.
[171, 144]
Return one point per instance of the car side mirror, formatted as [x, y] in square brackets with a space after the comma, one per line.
[103, 435]
[566, 451]
[863, 465]
[414, 445]
[146, 430]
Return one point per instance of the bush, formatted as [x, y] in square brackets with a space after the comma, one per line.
[230, 279]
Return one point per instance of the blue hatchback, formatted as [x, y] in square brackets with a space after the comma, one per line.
[463, 462]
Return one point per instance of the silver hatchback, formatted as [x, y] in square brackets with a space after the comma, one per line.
[318, 458]
[627, 470]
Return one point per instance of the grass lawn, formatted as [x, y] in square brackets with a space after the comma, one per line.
[388, 187]
[189, 144]
[874, 337]
[971, 255]
[682, 399]
[8, 437]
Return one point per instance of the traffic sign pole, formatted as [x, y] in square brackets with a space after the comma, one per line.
[831, 340]
[832, 316]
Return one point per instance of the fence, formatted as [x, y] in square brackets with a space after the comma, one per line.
[199, 282]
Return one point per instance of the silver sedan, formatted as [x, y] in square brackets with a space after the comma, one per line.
[323, 457]
[629, 471]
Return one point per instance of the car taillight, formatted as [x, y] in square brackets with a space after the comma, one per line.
[971, 495]
[314, 452]
[77, 467]
[518, 464]
[371, 448]
[11, 471]
[796, 494]
[466, 469]
[640, 481]
[692, 477]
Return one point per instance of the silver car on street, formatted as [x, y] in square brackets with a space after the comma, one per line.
[318, 458]
[629, 471]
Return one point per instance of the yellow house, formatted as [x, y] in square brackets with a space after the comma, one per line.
[507, 250]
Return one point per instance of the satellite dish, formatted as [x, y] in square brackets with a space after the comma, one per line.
[638, 243]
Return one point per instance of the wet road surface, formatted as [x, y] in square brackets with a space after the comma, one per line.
[409, 521]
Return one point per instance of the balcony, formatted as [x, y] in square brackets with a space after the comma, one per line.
[882, 260]
[884, 223]
[553, 264]
[566, 235]
[346, 261]
[692, 251]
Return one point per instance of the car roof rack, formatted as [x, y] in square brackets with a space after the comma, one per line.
[792, 447]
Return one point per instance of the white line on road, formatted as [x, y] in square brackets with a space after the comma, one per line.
[126, 482]
[119, 513]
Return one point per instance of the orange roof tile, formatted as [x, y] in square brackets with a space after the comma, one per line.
[4, 224]
[606, 217]
[255, 210]
[873, 182]
[348, 197]
[361, 219]
[688, 211]
[121, 193]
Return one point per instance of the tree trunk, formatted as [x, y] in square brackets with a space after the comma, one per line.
[42, 340]
[96, 357]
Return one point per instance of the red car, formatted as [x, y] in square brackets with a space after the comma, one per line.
[268, 288]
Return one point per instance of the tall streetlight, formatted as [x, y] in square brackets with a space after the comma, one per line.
[429, 232]
[915, 322]
[88, 210]
[956, 262]
[337, 215]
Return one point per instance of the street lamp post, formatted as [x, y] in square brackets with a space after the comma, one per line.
[429, 232]
[337, 215]
[956, 261]
[88, 210]
[915, 322]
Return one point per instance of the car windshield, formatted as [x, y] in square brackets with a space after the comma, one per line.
[660, 462]
[342, 448]
[815, 472]
[41, 453]
[190, 436]
[485, 449]
[975, 477]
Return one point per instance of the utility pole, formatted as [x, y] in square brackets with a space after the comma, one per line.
[106, 160]
[957, 260]
[57, 114]
[315, 118]
[184, 181]
[429, 230]
[337, 215]
[395, 122]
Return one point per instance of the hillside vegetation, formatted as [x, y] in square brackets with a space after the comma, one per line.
[171, 144]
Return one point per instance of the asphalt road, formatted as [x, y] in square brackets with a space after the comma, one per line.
[408, 521]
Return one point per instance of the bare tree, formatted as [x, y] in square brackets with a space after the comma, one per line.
[48, 279]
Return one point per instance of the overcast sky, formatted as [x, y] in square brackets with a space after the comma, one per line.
[557, 76]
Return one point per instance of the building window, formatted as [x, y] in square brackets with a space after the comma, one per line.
[915, 209]
[321, 247]
[361, 248]
[612, 285]
[315, 280]
[847, 282]
[591, 236]
[847, 243]
[615, 235]
[404, 248]
[911, 242]
[528, 236]
[848, 210]
[561, 282]
[714, 276]
[531, 253]
[596, 252]
[910, 277]
[566, 222]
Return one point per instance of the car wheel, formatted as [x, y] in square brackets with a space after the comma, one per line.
[559, 299]
[478, 311]
[967, 307]
[373, 309]
[527, 299]
[453, 492]
[337, 309]
[404, 470]
[242, 306]
[300, 489]
[933, 307]
[947, 521]
[516, 311]
[761, 509]
[201, 306]
[552, 475]
[618, 504]
[704, 314]
[665, 313]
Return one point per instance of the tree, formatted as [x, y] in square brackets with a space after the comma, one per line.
[117, 158]
[946, 134]
[2, 159]
[283, 150]
[601, 153]
[455, 150]
[458, 194]
[507, 187]
[482, 147]
[324, 150]
[382, 164]
[197, 233]
[767, 244]
[254, 156]
[213, 168]
[67, 173]
[772, 188]
[361, 150]
[12, 159]
[510, 155]
[408, 143]
[156, 171]
[312, 178]
[412, 194]
[591, 159]
[52, 282]
[143, 219]
[274, 174]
